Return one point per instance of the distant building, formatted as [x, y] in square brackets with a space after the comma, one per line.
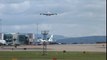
[23, 39]
[18, 38]
[31, 38]
[15, 38]
[8, 38]
[1, 36]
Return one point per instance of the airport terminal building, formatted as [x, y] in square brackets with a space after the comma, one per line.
[18, 38]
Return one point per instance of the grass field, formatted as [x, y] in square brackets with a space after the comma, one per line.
[37, 55]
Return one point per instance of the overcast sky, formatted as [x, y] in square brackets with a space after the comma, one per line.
[75, 17]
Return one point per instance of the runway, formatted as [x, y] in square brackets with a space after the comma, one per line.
[70, 47]
[80, 47]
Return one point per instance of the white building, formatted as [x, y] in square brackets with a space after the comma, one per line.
[1, 36]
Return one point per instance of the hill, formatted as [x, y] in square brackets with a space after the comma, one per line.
[81, 40]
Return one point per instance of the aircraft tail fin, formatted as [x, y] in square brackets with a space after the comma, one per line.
[51, 38]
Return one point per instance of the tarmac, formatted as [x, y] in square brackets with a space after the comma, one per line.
[66, 47]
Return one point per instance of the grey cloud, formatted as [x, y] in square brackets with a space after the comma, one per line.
[88, 15]
[14, 8]
[11, 1]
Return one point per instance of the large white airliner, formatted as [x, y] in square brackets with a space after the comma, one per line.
[50, 40]
[2, 42]
[48, 14]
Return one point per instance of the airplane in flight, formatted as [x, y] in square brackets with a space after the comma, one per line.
[48, 14]
[2, 42]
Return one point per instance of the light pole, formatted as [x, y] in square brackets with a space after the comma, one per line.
[0, 26]
[37, 33]
[1, 35]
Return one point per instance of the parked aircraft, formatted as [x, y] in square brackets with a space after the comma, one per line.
[49, 41]
[2, 42]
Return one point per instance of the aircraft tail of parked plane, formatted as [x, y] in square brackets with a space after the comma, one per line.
[50, 40]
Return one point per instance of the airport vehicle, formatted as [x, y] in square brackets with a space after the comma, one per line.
[48, 14]
[2, 42]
